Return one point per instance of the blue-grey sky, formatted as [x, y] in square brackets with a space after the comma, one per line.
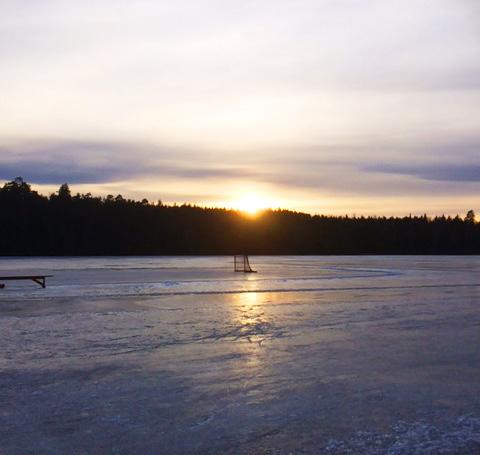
[327, 106]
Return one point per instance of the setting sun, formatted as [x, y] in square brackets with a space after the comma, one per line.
[251, 204]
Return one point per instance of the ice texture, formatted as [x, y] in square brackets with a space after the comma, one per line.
[312, 355]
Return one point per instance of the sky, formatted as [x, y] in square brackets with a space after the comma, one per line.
[324, 106]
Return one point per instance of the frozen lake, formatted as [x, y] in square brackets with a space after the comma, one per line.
[312, 355]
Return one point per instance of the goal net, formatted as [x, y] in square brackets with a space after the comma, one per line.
[242, 264]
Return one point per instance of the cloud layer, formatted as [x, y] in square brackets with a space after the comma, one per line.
[336, 169]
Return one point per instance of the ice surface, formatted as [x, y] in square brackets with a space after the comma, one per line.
[335, 355]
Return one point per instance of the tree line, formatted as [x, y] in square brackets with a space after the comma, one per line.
[65, 224]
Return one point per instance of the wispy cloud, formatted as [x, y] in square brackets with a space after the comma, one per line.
[461, 173]
[51, 162]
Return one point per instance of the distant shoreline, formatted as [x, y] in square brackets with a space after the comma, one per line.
[83, 225]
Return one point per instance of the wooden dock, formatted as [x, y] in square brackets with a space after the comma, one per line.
[39, 279]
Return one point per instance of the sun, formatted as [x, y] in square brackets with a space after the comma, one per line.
[251, 204]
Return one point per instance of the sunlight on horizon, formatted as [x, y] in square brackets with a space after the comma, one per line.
[252, 204]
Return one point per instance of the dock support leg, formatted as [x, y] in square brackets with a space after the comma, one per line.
[40, 281]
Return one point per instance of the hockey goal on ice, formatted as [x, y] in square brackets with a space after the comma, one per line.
[242, 264]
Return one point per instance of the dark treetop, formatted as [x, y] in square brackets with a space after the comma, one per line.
[62, 224]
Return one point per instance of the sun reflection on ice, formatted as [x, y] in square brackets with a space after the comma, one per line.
[250, 318]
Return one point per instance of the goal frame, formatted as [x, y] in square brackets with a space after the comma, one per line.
[242, 264]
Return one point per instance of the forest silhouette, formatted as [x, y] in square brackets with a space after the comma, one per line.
[81, 224]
